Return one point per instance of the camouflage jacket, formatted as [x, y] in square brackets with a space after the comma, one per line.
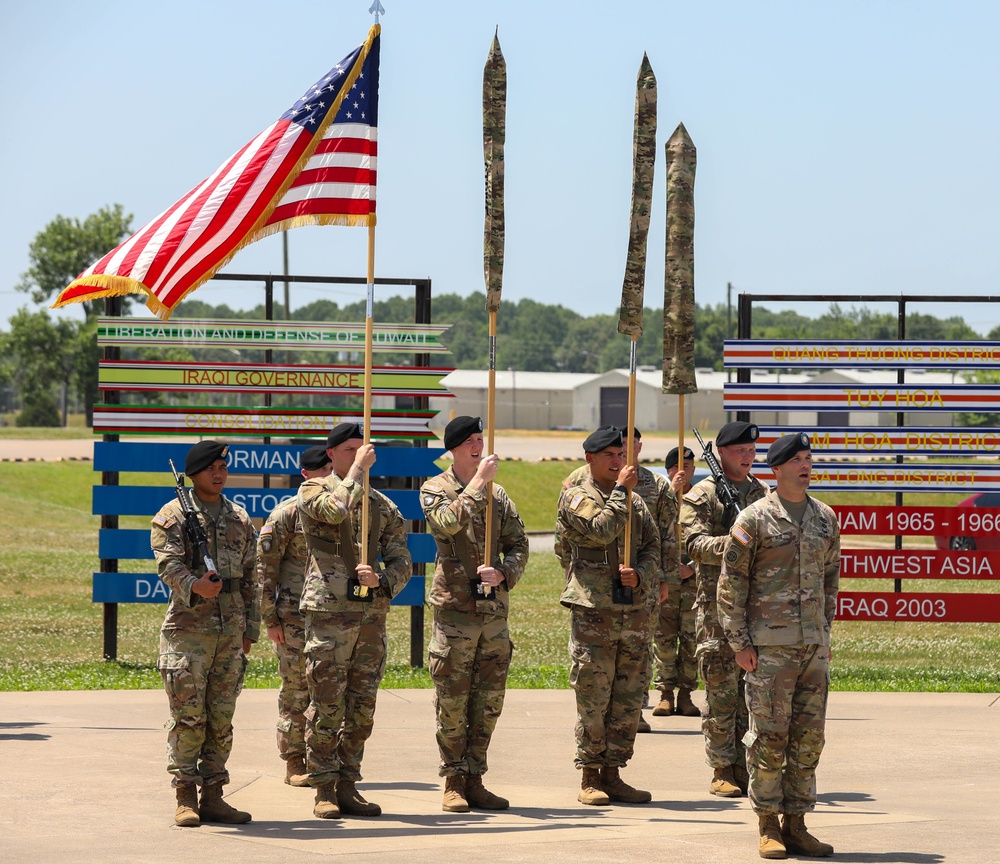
[282, 555]
[590, 526]
[779, 579]
[456, 518]
[703, 523]
[324, 503]
[655, 491]
[236, 610]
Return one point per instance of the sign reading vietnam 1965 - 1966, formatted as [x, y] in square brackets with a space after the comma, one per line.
[160, 377]
[891, 441]
[256, 421]
[284, 335]
[825, 354]
[861, 397]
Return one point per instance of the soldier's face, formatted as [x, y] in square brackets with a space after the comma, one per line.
[469, 453]
[606, 464]
[794, 475]
[737, 460]
[209, 482]
[342, 456]
[688, 472]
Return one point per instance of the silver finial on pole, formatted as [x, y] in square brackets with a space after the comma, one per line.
[377, 9]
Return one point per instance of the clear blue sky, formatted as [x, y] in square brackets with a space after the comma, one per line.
[847, 147]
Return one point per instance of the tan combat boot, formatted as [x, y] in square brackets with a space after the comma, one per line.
[666, 706]
[214, 809]
[454, 800]
[770, 845]
[590, 788]
[724, 784]
[326, 802]
[618, 790]
[685, 707]
[186, 814]
[480, 797]
[799, 841]
[295, 771]
[352, 802]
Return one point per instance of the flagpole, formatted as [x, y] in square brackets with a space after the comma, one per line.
[366, 431]
[630, 447]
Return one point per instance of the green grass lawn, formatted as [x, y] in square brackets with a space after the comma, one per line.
[52, 633]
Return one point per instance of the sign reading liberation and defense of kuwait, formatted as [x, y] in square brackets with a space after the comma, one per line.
[891, 441]
[152, 376]
[284, 335]
[772, 354]
[858, 397]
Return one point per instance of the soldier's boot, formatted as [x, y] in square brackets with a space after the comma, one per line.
[643, 724]
[295, 771]
[215, 809]
[618, 790]
[352, 802]
[666, 706]
[685, 707]
[186, 815]
[326, 802]
[480, 797]
[724, 784]
[770, 844]
[454, 800]
[799, 841]
[590, 788]
[741, 777]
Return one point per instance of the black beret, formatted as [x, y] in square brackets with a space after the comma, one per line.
[314, 458]
[672, 457]
[460, 430]
[737, 432]
[635, 433]
[203, 454]
[344, 432]
[602, 438]
[786, 447]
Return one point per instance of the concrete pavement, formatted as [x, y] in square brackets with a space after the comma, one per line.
[908, 778]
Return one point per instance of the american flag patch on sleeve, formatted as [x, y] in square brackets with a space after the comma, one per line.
[740, 535]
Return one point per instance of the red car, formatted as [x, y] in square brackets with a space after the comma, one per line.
[989, 522]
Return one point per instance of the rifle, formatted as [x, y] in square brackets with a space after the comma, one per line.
[724, 488]
[196, 534]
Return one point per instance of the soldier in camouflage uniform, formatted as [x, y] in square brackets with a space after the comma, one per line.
[674, 640]
[654, 490]
[470, 647]
[282, 555]
[345, 626]
[612, 609]
[705, 525]
[212, 619]
[777, 599]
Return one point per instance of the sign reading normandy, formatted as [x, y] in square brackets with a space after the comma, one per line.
[891, 441]
[284, 335]
[150, 376]
[855, 397]
[772, 354]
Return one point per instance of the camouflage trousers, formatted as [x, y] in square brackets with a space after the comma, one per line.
[674, 640]
[724, 718]
[345, 662]
[469, 656]
[786, 696]
[293, 695]
[609, 654]
[202, 675]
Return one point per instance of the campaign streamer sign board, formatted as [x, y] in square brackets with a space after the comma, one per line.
[890, 442]
[887, 606]
[148, 456]
[165, 377]
[918, 564]
[918, 521]
[878, 354]
[890, 477]
[858, 397]
[281, 335]
[256, 422]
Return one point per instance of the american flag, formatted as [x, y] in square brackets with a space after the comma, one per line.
[315, 165]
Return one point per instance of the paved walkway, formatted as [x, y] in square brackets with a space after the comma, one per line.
[909, 778]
